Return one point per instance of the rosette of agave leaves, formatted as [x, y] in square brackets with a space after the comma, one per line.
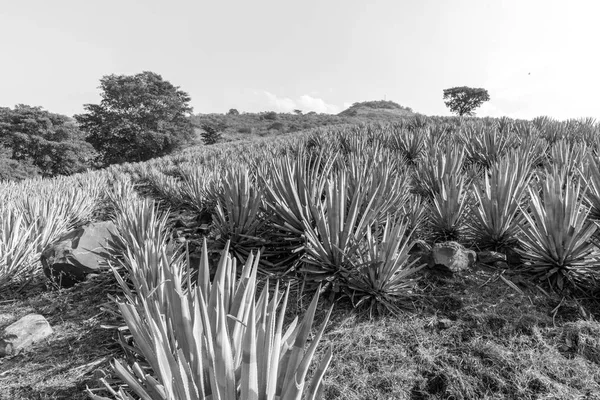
[197, 339]
[557, 242]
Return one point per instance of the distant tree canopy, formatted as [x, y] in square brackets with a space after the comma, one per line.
[140, 117]
[36, 142]
[463, 100]
[233, 111]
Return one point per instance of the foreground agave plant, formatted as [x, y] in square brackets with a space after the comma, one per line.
[497, 216]
[556, 242]
[213, 340]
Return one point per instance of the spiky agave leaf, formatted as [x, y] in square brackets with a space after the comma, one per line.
[385, 272]
[485, 146]
[341, 222]
[497, 217]
[447, 209]
[556, 241]
[239, 216]
[217, 342]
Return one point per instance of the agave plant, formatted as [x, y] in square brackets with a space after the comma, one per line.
[447, 209]
[290, 187]
[238, 216]
[17, 247]
[384, 274]
[556, 241]
[567, 156]
[486, 146]
[341, 222]
[410, 144]
[440, 161]
[214, 340]
[497, 216]
[591, 175]
[378, 174]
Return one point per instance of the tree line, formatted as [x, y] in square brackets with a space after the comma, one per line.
[139, 117]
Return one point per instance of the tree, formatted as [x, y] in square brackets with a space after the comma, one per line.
[298, 112]
[212, 133]
[38, 140]
[463, 100]
[140, 117]
[233, 111]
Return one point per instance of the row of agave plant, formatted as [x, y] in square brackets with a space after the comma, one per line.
[322, 207]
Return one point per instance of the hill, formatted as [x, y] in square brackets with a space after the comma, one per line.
[240, 126]
[380, 109]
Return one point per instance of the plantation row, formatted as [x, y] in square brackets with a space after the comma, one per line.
[340, 208]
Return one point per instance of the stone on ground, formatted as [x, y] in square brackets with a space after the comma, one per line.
[77, 254]
[22, 334]
[453, 256]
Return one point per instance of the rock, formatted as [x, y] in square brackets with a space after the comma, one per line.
[500, 265]
[453, 255]
[78, 253]
[490, 257]
[445, 323]
[22, 334]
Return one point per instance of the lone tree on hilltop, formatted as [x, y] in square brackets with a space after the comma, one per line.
[140, 117]
[463, 100]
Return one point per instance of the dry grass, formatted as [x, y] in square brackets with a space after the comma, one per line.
[468, 341]
[61, 366]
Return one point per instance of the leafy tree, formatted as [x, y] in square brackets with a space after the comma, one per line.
[140, 117]
[463, 100]
[211, 133]
[298, 112]
[233, 111]
[42, 142]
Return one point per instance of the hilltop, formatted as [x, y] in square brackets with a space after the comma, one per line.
[379, 109]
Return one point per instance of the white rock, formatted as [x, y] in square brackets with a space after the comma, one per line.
[25, 332]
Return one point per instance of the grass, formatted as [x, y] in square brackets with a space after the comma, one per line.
[469, 337]
[78, 351]
[467, 341]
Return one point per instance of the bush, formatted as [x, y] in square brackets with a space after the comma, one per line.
[211, 134]
[278, 126]
[270, 115]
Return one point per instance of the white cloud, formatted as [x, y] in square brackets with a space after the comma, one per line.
[309, 103]
[282, 104]
[306, 103]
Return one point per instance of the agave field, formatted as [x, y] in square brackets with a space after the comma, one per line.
[334, 213]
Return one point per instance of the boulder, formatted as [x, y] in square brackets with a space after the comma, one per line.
[490, 257]
[453, 256]
[22, 334]
[77, 254]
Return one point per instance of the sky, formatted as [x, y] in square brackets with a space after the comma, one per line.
[535, 57]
